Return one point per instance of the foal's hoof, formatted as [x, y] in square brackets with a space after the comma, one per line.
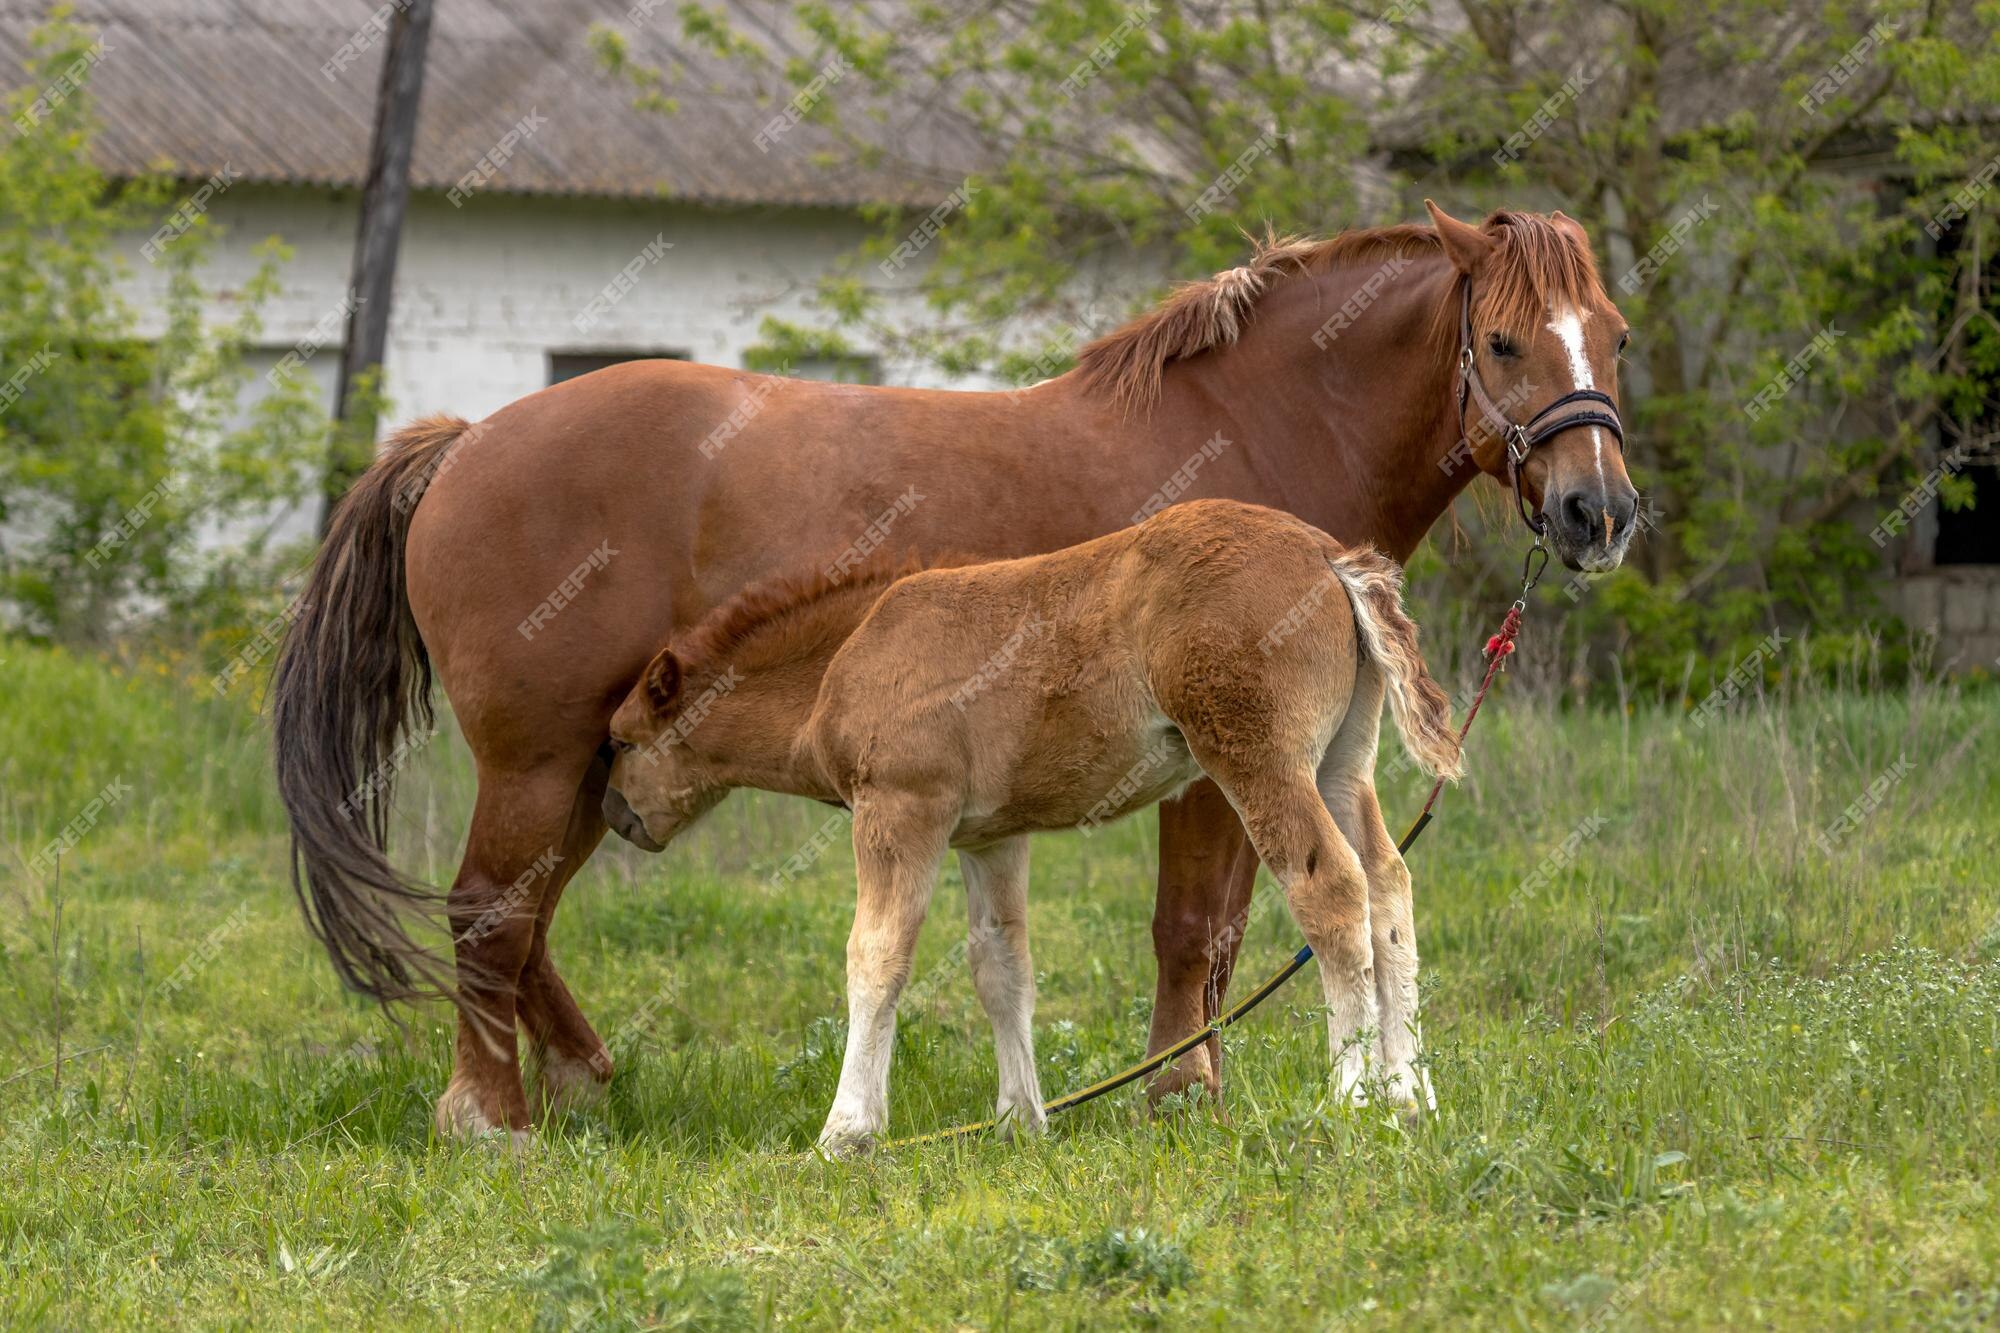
[1350, 1086]
[848, 1132]
[1410, 1093]
[1021, 1122]
[848, 1143]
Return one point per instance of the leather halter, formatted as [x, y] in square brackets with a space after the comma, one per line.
[1520, 437]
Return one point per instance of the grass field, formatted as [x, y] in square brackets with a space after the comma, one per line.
[1699, 1061]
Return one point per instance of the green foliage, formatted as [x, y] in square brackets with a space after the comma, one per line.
[1115, 1257]
[784, 345]
[119, 443]
[1735, 223]
[1099, 126]
[1717, 169]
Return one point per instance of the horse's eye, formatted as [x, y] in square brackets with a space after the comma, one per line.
[1623, 340]
[621, 747]
[1501, 345]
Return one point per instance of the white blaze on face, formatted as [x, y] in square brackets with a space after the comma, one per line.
[1567, 324]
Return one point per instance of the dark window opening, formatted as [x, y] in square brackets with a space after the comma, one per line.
[568, 365]
[1972, 536]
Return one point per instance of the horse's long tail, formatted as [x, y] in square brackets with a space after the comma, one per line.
[351, 678]
[1374, 585]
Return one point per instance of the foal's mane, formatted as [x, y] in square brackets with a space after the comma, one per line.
[787, 613]
[1534, 261]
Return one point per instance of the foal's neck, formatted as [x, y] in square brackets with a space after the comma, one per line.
[762, 689]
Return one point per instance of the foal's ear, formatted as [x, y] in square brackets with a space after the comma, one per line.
[663, 680]
[1464, 244]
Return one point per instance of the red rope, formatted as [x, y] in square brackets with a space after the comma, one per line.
[1497, 649]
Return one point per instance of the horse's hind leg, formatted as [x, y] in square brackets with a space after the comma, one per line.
[571, 1063]
[1327, 891]
[519, 828]
[996, 947]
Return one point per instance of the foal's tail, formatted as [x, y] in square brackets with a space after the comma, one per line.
[1374, 585]
[352, 676]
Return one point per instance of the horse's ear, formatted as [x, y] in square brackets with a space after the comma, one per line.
[1464, 244]
[663, 681]
[1571, 228]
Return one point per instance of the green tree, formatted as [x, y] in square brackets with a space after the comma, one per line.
[1765, 179]
[1068, 132]
[1760, 179]
[117, 448]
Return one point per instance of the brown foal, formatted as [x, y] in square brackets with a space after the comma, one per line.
[968, 707]
[539, 558]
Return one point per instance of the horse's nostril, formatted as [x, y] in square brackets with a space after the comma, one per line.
[1577, 513]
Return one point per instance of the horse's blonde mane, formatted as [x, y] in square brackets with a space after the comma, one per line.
[1534, 261]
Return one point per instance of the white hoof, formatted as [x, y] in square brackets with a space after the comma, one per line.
[1021, 1121]
[1425, 1096]
[847, 1134]
[1350, 1082]
[459, 1118]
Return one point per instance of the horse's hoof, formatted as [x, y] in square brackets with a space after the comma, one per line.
[1192, 1074]
[1412, 1095]
[573, 1085]
[459, 1119]
[1350, 1085]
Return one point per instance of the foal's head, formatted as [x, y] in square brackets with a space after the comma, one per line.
[1542, 326]
[724, 705]
[661, 782]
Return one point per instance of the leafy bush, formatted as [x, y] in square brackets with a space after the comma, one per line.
[117, 448]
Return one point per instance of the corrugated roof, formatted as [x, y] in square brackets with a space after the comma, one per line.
[195, 84]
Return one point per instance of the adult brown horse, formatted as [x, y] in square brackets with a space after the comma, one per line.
[539, 558]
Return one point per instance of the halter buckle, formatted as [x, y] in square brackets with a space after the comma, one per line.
[1517, 444]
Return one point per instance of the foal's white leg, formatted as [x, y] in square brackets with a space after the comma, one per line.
[1327, 891]
[996, 946]
[897, 850]
[1347, 783]
[1346, 970]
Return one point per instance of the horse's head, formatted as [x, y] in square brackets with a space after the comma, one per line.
[661, 781]
[1542, 327]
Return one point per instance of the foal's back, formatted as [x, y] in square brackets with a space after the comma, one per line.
[1074, 687]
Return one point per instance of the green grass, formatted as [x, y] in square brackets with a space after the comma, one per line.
[1707, 1073]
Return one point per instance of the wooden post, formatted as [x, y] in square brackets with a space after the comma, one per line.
[384, 197]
